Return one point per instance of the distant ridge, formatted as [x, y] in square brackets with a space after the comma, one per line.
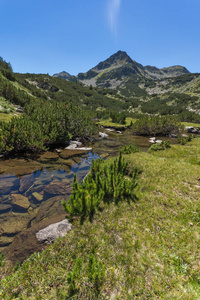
[116, 70]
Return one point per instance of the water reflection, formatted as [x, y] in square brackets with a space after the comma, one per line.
[27, 199]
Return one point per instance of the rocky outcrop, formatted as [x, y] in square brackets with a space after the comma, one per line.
[52, 232]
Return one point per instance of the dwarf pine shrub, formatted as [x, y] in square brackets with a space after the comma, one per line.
[160, 146]
[127, 149]
[105, 184]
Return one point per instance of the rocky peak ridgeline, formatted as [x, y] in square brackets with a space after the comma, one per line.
[118, 68]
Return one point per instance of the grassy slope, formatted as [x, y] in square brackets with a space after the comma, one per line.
[150, 249]
[108, 123]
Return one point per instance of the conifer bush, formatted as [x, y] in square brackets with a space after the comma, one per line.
[127, 149]
[106, 183]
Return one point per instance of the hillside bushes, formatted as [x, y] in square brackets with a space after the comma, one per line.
[44, 124]
[157, 125]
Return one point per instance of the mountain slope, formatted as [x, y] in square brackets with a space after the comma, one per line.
[119, 68]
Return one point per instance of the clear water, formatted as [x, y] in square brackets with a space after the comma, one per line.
[26, 184]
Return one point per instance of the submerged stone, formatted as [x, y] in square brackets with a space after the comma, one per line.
[19, 201]
[5, 208]
[26, 182]
[49, 208]
[38, 197]
[57, 188]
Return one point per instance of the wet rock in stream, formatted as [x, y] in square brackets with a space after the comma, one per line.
[20, 202]
[52, 206]
[5, 208]
[26, 182]
[57, 188]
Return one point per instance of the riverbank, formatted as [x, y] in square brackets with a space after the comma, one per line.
[147, 249]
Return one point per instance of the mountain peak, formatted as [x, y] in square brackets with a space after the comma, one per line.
[115, 59]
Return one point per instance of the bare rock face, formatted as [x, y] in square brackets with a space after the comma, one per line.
[52, 232]
[19, 201]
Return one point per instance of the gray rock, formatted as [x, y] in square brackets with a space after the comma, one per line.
[71, 147]
[152, 140]
[191, 129]
[158, 141]
[103, 135]
[110, 129]
[84, 149]
[57, 150]
[174, 136]
[52, 232]
[74, 145]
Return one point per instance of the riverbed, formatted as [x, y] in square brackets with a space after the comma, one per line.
[32, 189]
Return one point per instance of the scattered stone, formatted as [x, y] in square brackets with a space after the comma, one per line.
[5, 240]
[57, 188]
[49, 208]
[152, 140]
[119, 132]
[52, 232]
[103, 135]
[38, 197]
[57, 150]
[71, 147]
[70, 153]
[110, 129]
[191, 129]
[84, 149]
[48, 156]
[172, 135]
[26, 182]
[74, 145]
[158, 141]
[7, 184]
[5, 208]
[12, 223]
[78, 144]
[19, 201]
[37, 188]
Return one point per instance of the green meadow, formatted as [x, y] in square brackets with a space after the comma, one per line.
[148, 249]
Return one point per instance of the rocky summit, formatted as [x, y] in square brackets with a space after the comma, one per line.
[119, 68]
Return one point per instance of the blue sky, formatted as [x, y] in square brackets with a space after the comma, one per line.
[49, 36]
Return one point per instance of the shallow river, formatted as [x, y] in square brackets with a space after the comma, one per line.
[31, 190]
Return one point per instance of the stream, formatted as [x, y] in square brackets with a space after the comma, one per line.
[31, 190]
